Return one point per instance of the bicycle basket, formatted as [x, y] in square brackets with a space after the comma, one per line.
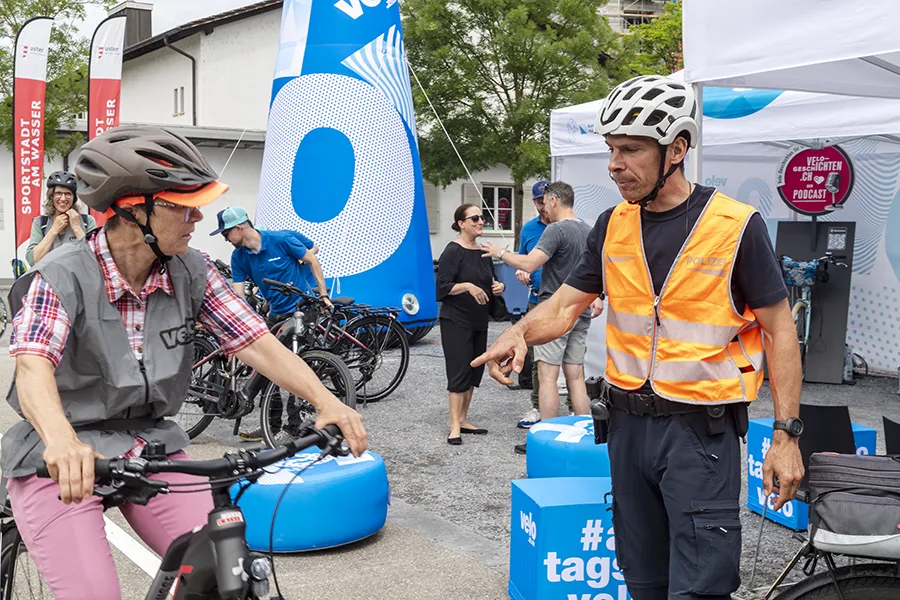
[799, 273]
[855, 508]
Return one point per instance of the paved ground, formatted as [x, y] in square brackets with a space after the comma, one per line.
[448, 526]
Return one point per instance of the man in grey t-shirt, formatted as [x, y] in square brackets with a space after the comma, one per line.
[558, 251]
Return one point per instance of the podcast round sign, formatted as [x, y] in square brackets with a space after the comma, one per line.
[815, 181]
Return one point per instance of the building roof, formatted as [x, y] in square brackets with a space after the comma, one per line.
[210, 137]
[205, 25]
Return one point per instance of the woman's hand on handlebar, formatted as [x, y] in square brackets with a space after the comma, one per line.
[71, 465]
[348, 420]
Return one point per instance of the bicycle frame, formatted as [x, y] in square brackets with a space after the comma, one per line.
[198, 572]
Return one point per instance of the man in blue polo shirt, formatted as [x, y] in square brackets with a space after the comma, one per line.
[277, 255]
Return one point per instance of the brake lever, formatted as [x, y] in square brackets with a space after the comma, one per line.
[139, 489]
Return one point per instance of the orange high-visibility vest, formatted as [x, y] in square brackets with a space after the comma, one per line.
[691, 342]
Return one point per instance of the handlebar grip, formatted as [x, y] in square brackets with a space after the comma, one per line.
[333, 430]
[272, 282]
[102, 468]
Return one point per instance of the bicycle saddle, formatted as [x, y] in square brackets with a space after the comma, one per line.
[342, 301]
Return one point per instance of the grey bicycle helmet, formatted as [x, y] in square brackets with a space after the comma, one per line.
[134, 164]
[136, 161]
[62, 179]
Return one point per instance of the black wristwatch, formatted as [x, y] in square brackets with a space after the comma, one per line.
[793, 426]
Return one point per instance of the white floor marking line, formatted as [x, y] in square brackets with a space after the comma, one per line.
[131, 548]
[146, 560]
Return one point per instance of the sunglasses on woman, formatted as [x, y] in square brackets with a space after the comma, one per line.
[475, 218]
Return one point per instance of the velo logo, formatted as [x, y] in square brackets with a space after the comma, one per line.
[354, 8]
[182, 335]
[528, 526]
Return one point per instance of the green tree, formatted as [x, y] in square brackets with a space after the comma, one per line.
[654, 48]
[493, 70]
[67, 68]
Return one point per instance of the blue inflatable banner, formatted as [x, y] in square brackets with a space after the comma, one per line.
[341, 162]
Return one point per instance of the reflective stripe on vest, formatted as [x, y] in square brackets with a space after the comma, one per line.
[690, 341]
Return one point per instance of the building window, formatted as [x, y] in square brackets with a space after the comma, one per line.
[498, 207]
[178, 98]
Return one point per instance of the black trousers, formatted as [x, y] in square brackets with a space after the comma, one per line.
[676, 510]
[461, 346]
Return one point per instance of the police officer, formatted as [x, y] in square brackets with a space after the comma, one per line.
[692, 284]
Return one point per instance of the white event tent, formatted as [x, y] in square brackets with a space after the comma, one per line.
[844, 57]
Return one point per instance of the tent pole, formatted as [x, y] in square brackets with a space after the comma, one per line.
[695, 167]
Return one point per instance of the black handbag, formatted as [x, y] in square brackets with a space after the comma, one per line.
[497, 308]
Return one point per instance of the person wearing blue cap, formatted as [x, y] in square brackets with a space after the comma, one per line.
[280, 255]
[277, 255]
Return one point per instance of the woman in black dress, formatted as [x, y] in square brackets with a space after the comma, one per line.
[466, 281]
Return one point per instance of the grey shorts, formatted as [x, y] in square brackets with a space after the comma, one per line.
[568, 349]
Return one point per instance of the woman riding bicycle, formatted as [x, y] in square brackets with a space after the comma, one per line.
[99, 365]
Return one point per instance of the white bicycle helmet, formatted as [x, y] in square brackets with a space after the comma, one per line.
[650, 106]
[655, 107]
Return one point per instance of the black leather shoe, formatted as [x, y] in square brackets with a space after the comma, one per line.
[520, 448]
[457, 441]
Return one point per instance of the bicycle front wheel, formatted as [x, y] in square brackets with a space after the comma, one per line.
[19, 577]
[871, 581]
[376, 350]
[281, 413]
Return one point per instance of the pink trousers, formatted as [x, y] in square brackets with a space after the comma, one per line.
[67, 542]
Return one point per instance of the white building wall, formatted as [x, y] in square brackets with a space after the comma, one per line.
[242, 175]
[238, 62]
[451, 196]
[149, 81]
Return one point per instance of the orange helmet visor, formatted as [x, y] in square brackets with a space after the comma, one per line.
[189, 199]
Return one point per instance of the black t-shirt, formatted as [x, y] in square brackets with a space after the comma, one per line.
[463, 265]
[757, 280]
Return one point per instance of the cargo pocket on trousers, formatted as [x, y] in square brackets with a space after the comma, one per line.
[717, 526]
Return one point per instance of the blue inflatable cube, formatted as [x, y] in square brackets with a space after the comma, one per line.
[564, 447]
[794, 514]
[561, 540]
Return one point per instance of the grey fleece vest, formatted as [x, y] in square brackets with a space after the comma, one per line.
[99, 379]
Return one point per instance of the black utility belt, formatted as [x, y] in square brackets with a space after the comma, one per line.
[641, 405]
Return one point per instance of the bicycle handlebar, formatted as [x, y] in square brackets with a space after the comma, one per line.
[246, 461]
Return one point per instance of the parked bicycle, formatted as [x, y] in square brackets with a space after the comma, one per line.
[801, 277]
[861, 581]
[212, 562]
[224, 387]
[371, 341]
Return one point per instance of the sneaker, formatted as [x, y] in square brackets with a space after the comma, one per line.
[252, 436]
[520, 448]
[528, 419]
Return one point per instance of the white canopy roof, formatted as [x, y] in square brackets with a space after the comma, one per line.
[733, 116]
[835, 46]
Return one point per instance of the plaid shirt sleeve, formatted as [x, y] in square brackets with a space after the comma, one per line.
[229, 318]
[41, 327]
